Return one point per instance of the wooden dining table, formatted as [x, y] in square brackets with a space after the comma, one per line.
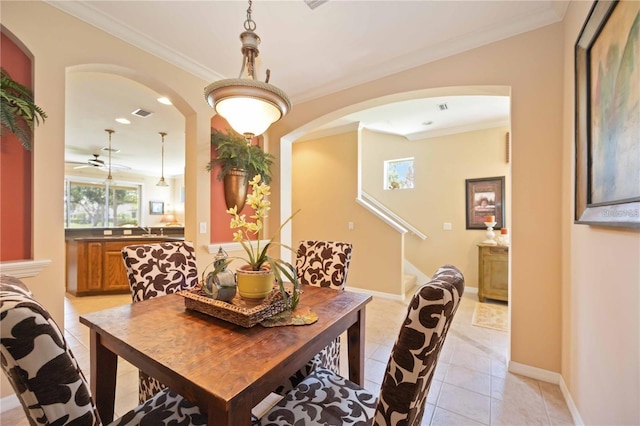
[225, 369]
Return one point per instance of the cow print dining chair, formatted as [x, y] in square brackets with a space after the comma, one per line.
[321, 264]
[325, 398]
[47, 378]
[154, 270]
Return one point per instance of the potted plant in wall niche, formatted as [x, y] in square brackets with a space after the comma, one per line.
[239, 162]
[18, 112]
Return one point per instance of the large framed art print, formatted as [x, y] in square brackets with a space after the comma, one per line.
[484, 197]
[607, 83]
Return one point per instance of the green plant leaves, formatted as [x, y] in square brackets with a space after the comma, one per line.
[18, 113]
[233, 151]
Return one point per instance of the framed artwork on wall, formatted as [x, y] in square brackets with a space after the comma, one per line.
[156, 207]
[484, 197]
[607, 116]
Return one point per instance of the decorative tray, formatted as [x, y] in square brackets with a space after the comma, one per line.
[240, 311]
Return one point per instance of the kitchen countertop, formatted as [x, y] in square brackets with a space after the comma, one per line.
[152, 237]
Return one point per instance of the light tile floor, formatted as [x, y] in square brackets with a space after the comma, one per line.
[471, 385]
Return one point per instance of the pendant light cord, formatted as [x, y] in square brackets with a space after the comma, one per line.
[163, 134]
[109, 177]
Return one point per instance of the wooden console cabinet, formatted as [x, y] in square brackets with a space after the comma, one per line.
[493, 272]
[95, 265]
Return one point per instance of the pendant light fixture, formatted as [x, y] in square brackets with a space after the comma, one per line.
[162, 182]
[249, 106]
[109, 177]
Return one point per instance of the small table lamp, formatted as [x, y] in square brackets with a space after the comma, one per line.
[169, 219]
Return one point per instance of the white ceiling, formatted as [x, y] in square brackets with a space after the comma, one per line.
[310, 53]
[94, 100]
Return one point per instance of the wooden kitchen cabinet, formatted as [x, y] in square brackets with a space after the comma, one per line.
[493, 272]
[95, 265]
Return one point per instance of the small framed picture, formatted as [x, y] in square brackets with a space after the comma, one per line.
[156, 207]
[485, 197]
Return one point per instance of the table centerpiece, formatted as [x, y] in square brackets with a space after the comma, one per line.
[255, 279]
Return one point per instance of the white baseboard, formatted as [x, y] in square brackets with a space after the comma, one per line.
[9, 403]
[534, 373]
[549, 377]
[388, 296]
[577, 420]
[400, 297]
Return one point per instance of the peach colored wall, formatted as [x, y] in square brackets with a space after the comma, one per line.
[15, 168]
[220, 230]
[441, 166]
[324, 189]
[531, 64]
[600, 288]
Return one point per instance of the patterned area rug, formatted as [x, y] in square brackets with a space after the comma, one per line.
[490, 315]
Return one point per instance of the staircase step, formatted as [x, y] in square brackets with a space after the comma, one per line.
[410, 282]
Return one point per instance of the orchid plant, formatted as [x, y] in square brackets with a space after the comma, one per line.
[258, 257]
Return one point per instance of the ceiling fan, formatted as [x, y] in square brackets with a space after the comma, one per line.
[97, 163]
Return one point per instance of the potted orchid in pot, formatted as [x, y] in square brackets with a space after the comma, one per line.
[255, 279]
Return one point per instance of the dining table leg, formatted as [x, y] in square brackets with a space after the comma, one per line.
[103, 378]
[355, 338]
[236, 413]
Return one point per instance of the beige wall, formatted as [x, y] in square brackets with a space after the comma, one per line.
[600, 288]
[531, 65]
[441, 166]
[562, 274]
[325, 189]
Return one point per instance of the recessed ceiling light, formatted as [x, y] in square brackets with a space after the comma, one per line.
[123, 120]
[164, 100]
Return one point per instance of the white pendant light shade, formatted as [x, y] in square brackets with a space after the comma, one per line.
[249, 106]
[247, 115]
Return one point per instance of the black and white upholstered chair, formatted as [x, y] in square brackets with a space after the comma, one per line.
[154, 270]
[321, 264]
[325, 398]
[47, 379]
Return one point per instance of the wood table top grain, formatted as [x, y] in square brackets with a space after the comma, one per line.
[224, 368]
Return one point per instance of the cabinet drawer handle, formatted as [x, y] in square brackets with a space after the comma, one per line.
[500, 250]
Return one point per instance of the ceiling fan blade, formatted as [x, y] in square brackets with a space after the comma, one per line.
[117, 167]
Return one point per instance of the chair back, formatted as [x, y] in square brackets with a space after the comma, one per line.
[323, 263]
[157, 269]
[413, 360]
[38, 362]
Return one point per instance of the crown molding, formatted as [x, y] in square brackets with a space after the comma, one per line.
[84, 11]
